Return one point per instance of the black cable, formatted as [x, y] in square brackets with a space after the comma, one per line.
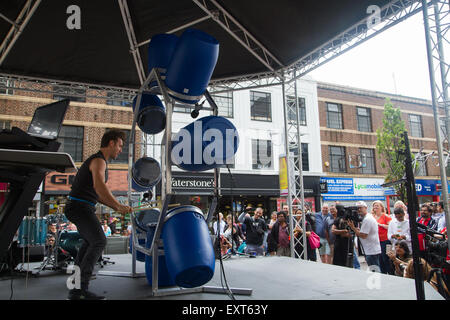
[223, 277]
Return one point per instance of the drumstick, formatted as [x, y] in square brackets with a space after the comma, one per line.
[142, 208]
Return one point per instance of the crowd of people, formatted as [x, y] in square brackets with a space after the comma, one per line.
[383, 239]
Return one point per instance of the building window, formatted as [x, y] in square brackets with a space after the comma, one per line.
[415, 125]
[224, 102]
[5, 124]
[364, 119]
[182, 108]
[74, 94]
[301, 109]
[117, 99]
[305, 157]
[123, 156]
[334, 116]
[260, 106]
[5, 86]
[71, 139]
[337, 159]
[421, 166]
[261, 154]
[367, 157]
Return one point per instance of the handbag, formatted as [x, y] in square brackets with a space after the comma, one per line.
[314, 240]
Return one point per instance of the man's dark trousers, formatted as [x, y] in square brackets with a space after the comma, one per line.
[83, 216]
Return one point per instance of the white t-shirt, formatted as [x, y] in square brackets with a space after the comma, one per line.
[401, 228]
[371, 244]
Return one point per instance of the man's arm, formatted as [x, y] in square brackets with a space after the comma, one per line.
[358, 233]
[98, 167]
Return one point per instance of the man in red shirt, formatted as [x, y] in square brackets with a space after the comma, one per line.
[425, 219]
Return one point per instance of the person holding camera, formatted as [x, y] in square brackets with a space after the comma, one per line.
[400, 257]
[255, 229]
[341, 242]
[368, 235]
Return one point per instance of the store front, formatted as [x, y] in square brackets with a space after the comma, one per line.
[237, 191]
[348, 191]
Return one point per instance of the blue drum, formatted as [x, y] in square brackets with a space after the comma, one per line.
[192, 65]
[204, 144]
[160, 51]
[32, 232]
[188, 247]
[145, 174]
[151, 117]
[71, 241]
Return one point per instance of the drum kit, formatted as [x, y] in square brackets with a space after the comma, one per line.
[60, 245]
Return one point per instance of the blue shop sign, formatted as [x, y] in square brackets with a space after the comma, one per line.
[428, 187]
[339, 185]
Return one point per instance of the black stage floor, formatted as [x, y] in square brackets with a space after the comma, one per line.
[269, 278]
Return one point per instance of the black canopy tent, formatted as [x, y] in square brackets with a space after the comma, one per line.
[99, 52]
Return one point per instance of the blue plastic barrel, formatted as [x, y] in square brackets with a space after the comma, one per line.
[188, 247]
[192, 65]
[204, 144]
[145, 174]
[160, 51]
[151, 117]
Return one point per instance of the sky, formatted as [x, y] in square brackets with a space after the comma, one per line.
[394, 61]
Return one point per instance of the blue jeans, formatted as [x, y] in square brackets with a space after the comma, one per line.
[356, 264]
[254, 249]
[373, 260]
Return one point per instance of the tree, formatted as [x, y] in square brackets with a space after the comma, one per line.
[391, 147]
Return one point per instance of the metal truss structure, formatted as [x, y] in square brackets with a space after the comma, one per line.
[17, 26]
[293, 149]
[436, 17]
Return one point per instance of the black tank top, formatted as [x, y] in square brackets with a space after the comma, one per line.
[83, 184]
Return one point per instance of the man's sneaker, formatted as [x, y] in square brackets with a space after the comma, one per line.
[78, 294]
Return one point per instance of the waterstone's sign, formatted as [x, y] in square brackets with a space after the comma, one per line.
[192, 183]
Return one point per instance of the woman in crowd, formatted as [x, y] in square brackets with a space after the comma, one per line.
[379, 213]
[298, 232]
[400, 257]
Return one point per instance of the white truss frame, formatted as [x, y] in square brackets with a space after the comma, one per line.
[437, 26]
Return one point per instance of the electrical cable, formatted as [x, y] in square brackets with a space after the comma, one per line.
[223, 277]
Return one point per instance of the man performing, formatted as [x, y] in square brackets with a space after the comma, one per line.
[89, 186]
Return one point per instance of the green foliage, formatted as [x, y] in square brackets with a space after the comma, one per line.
[391, 146]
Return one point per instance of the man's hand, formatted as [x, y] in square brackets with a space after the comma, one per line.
[123, 209]
[351, 225]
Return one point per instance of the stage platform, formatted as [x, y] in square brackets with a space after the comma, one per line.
[269, 278]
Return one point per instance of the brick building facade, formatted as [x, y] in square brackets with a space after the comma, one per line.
[349, 118]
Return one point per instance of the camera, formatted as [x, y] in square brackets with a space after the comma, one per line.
[349, 213]
[435, 249]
